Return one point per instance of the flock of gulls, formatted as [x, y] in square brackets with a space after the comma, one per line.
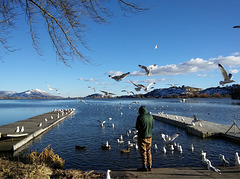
[227, 78]
[129, 140]
[60, 112]
[138, 87]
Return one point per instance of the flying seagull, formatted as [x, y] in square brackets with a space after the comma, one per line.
[92, 88]
[147, 70]
[120, 77]
[50, 88]
[136, 102]
[139, 86]
[226, 77]
[107, 93]
[81, 100]
[155, 47]
[127, 91]
[146, 88]
[168, 138]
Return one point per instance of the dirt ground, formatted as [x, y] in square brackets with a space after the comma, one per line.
[17, 169]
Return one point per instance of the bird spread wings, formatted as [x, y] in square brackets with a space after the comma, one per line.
[107, 93]
[224, 73]
[120, 77]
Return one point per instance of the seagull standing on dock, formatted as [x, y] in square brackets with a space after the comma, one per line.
[212, 168]
[17, 129]
[120, 77]
[237, 160]
[40, 124]
[223, 160]
[108, 174]
[226, 77]
[22, 129]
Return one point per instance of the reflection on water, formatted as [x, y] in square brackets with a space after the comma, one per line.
[84, 130]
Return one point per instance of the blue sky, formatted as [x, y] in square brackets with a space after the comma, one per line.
[192, 36]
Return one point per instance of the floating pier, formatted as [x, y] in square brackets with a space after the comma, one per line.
[201, 128]
[12, 138]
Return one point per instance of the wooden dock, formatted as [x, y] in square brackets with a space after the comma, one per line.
[200, 128]
[11, 140]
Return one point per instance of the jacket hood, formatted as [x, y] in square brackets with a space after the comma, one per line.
[142, 110]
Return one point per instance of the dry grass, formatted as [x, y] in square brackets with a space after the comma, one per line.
[46, 157]
[44, 165]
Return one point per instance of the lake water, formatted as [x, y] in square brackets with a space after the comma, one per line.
[83, 129]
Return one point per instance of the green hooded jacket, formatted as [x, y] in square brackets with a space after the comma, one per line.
[144, 123]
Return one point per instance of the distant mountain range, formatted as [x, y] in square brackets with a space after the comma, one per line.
[156, 93]
[34, 93]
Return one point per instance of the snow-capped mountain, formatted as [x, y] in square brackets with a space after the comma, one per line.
[166, 92]
[34, 93]
[6, 93]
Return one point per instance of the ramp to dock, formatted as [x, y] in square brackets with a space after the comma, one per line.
[200, 128]
[11, 140]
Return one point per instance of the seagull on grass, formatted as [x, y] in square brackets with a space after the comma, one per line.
[120, 77]
[226, 77]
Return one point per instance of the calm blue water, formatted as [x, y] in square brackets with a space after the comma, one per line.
[83, 129]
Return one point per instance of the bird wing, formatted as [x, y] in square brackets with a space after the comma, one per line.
[223, 71]
[105, 92]
[134, 83]
[144, 67]
[99, 121]
[124, 75]
[103, 122]
[164, 137]
[151, 84]
[174, 136]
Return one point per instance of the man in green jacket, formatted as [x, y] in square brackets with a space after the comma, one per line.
[144, 125]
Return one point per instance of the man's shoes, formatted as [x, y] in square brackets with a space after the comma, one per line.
[143, 169]
[149, 168]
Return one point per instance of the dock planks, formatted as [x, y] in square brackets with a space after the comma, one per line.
[10, 142]
[200, 128]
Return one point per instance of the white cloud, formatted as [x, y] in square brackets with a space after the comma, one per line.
[102, 83]
[81, 79]
[90, 79]
[192, 66]
[234, 71]
[154, 80]
[116, 73]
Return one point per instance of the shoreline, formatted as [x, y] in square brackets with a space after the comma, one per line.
[17, 169]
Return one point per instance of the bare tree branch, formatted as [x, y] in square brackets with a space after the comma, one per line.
[64, 20]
